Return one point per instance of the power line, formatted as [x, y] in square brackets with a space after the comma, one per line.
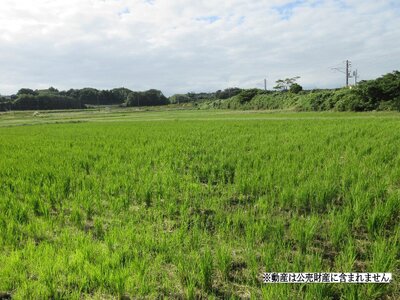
[346, 71]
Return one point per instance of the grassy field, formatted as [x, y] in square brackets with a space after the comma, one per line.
[197, 204]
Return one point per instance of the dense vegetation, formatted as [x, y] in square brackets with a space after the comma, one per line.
[200, 208]
[5, 104]
[45, 102]
[379, 94]
[148, 98]
[28, 99]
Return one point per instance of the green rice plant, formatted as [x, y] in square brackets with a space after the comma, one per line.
[196, 204]
[191, 291]
[340, 227]
[206, 270]
[224, 261]
[383, 254]
[252, 267]
[303, 230]
[346, 258]
[384, 215]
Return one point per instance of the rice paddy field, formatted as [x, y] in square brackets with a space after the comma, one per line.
[124, 204]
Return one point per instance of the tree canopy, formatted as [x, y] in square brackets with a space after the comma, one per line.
[147, 98]
[384, 88]
[285, 84]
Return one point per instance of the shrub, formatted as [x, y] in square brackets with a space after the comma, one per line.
[295, 88]
[5, 106]
[228, 93]
[247, 95]
[179, 98]
[385, 88]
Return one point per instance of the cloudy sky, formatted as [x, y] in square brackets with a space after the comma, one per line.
[204, 45]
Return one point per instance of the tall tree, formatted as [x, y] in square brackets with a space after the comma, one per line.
[285, 84]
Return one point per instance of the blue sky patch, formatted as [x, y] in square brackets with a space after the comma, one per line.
[395, 5]
[241, 20]
[209, 19]
[124, 11]
[286, 10]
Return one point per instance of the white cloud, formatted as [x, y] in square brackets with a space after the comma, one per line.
[181, 46]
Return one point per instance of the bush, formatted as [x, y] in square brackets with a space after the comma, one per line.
[382, 94]
[347, 100]
[179, 98]
[5, 105]
[228, 93]
[26, 91]
[295, 88]
[385, 88]
[247, 95]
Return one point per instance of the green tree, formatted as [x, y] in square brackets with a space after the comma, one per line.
[247, 95]
[53, 90]
[88, 96]
[227, 93]
[147, 98]
[121, 94]
[383, 89]
[285, 84]
[107, 98]
[295, 88]
[179, 98]
[45, 102]
[26, 91]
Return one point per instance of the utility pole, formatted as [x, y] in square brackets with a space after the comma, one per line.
[348, 65]
[347, 72]
[355, 75]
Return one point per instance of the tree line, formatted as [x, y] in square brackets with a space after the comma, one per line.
[382, 93]
[51, 98]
